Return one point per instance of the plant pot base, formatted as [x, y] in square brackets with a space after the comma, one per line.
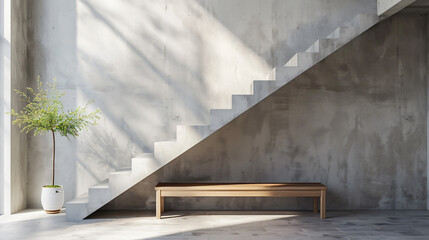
[53, 211]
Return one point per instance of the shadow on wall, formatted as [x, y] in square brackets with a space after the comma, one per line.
[276, 30]
[151, 65]
[168, 63]
[148, 72]
[344, 123]
[161, 72]
[51, 53]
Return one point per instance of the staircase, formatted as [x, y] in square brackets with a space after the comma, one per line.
[188, 136]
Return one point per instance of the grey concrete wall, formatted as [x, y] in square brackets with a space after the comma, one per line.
[427, 114]
[151, 65]
[13, 75]
[4, 77]
[355, 122]
[19, 82]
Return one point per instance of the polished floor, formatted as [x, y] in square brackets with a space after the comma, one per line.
[401, 225]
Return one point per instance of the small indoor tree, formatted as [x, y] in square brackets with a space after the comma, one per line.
[45, 113]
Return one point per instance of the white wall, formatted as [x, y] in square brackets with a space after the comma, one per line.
[151, 65]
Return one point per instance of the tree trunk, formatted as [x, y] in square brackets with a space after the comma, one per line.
[53, 158]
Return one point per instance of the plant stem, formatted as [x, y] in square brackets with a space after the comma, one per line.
[53, 158]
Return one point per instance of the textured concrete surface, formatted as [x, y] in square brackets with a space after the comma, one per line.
[19, 82]
[13, 71]
[427, 122]
[356, 122]
[188, 136]
[153, 65]
[386, 8]
[373, 225]
[4, 96]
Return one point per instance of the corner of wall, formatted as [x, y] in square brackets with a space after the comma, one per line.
[18, 81]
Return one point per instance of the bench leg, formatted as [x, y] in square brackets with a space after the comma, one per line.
[158, 204]
[323, 204]
[162, 204]
[315, 202]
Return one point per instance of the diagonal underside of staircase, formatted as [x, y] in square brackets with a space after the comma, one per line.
[188, 136]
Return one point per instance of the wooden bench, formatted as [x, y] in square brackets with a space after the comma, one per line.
[315, 190]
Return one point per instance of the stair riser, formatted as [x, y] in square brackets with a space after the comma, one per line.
[218, 118]
[325, 46]
[188, 136]
[97, 198]
[304, 60]
[285, 74]
[76, 212]
[262, 90]
[118, 183]
[365, 21]
[167, 151]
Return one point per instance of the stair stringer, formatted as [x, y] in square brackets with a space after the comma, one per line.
[188, 136]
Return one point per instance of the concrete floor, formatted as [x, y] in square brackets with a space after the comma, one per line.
[34, 224]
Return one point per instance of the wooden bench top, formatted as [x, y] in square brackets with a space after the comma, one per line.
[315, 190]
[240, 186]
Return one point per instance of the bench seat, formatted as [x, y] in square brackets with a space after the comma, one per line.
[315, 190]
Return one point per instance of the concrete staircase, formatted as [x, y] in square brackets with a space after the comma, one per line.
[188, 136]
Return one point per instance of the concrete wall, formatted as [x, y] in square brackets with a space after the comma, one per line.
[4, 98]
[13, 75]
[387, 8]
[355, 122]
[151, 65]
[18, 81]
[427, 114]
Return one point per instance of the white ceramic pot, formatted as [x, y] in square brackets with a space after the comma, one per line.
[52, 199]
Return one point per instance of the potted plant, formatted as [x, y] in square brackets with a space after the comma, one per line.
[44, 113]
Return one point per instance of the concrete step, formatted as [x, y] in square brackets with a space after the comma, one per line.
[165, 151]
[143, 165]
[241, 103]
[344, 33]
[263, 89]
[304, 59]
[189, 135]
[99, 195]
[272, 74]
[285, 74]
[77, 209]
[365, 21]
[119, 181]
[325, 45]
[219, 117]
[321, 44]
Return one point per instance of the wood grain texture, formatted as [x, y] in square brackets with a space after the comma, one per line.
[158, 204]
[323, 204]
[240, 186]
[315, 190]
[240, 193]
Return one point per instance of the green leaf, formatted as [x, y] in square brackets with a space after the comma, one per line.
[45, 112]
